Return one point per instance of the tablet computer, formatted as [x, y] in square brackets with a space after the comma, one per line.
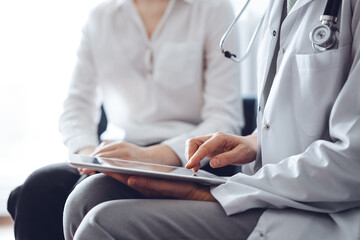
[144, 169]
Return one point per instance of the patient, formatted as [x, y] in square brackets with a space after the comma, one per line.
[156, 68]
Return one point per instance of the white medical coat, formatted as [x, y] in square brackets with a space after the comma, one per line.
[309, 131]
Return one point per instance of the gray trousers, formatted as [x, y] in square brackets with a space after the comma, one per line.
[102, 208]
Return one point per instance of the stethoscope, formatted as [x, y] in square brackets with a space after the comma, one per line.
[230, 55]
[323, 37]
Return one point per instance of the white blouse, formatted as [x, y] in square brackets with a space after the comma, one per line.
[167, 88]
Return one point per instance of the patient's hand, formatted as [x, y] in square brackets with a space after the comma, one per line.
[159, 154]
[157, 188]
[223, 149]
[86, 151]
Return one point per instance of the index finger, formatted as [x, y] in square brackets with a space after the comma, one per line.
[193, 144]
[206, 149]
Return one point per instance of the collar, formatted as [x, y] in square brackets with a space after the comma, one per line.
[119, 3]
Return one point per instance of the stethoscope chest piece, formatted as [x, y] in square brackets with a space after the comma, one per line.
[323, 38]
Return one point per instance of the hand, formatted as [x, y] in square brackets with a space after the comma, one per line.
[157, 188]
[160, 153]
[223, 149]
[86, 151]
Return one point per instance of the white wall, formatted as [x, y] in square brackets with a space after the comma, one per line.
[38, 42]
[246, 26]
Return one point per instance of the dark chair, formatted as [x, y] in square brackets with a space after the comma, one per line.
[250, 104]
[102, 123]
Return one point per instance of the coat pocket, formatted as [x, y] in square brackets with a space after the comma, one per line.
[317, 80]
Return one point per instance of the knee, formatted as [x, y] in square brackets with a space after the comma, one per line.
[94, 190]
[86, 194]
[52, 177]
[136, 218]
[89, 193]
[92, 220]
[12, 201]
[41, 184]
[98, 223]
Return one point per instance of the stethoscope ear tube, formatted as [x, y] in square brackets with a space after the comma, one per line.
[332, 8]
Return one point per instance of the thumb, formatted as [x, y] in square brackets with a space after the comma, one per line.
[238, 155]
[225, 159]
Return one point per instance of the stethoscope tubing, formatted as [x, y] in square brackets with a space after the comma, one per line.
[253, 37]
[332, 8]
[328, 18]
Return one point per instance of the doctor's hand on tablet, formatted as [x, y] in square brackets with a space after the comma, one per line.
[222, 149]
[158, 188]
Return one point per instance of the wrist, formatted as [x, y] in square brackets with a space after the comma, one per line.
[201, 193]
[250, 141]
[163, 154]
[86, 150]
[253, 142]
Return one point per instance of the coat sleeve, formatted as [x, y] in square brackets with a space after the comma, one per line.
[323, 178]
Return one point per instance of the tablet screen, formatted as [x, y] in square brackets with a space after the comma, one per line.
[145, 169]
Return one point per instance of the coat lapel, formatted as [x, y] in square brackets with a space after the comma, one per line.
[272, 22]
[299, 4]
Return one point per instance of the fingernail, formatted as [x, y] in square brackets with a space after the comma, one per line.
[215, 162]
[195, 169]
[132, 181]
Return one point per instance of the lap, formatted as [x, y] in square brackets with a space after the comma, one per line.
[100, 188]
[165, 219]
[58, 173]
[89, 193]
[54, 177]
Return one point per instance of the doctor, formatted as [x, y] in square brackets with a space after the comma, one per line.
[302, 167]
